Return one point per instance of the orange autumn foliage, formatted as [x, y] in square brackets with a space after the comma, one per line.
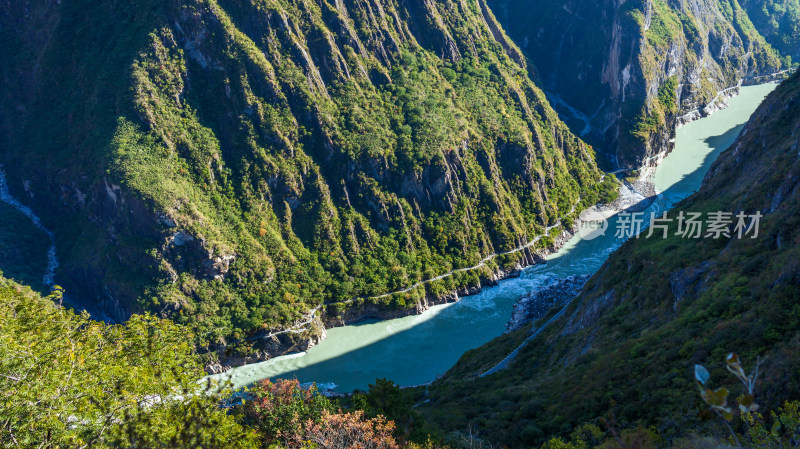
[286, 413]
[351, 431]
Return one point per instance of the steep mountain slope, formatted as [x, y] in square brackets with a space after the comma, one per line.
[779, 22]
[627, 70]
[236, 164]
[658, 306]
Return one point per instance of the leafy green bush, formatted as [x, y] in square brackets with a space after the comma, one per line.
[68, 381]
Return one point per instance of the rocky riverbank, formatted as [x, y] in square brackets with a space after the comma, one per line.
[723, 97]
[718, 103]
[368, 310]
[294, 340]
[531, 308]
[634, 196]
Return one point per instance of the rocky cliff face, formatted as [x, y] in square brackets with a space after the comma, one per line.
[627, 70]
[659, 306]
[236, 164]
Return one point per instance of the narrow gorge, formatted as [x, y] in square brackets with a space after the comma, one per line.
[629, 71]
[417, 349]
[399, 224]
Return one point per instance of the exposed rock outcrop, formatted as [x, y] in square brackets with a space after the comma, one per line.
[611, 64]
[531, 308]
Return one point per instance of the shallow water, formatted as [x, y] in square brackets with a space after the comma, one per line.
[414, 350]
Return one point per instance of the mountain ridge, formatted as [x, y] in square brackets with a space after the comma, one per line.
[233, 165]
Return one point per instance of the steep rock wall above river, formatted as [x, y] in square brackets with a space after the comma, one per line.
[625, 70]
[234, 165]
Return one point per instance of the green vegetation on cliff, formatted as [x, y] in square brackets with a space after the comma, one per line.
[234, 164]
[652, 121]
[628, 343]
[607, 63]
[693, 33]
[779, 22]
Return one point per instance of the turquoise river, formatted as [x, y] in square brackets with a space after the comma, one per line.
[416, 349]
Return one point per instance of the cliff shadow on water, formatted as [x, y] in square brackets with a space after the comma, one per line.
[690, 182]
